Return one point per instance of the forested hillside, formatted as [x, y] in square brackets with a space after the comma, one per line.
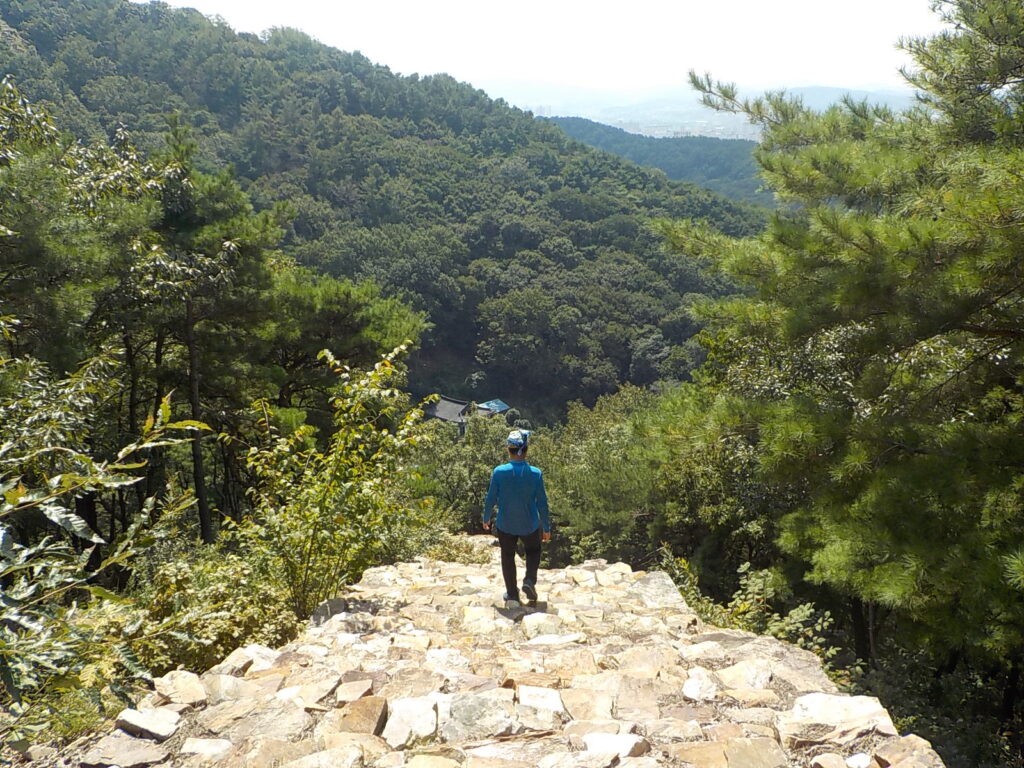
[725, 166]
[516, 242]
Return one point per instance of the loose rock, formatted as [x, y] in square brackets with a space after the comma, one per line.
[160, 723]
[123, 751]
[211, 748]
[181, 687]
[410, 721]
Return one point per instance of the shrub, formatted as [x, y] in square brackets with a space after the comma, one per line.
[451, 548]
[50, 654]
[197, 608]
[322, 517]
[754, 608]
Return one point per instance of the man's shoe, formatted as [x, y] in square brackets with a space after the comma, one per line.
[530, 591]
[511, 602]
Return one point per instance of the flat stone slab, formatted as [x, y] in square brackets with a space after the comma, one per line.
[432, 761]
[622, 744]
[749, 673]
[181, 687]
[410, 721]
[587, 705]
[474, 716]
[535, 624]
[351, 691]
[214, 749]
[755, 753]
[546, 640]
[265, 752]
[912, 751]
[700, 685]
[339, 757]
[123, 751]
[373, 747]
[820, 718]
[706, 754]
[579, 760]
[365, 715]
[160, 723]
[539, 709]
[250, 658]
[220, 688]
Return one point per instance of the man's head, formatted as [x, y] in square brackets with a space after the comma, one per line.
[518, 442]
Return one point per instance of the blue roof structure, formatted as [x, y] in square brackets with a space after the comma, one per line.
[498, 406]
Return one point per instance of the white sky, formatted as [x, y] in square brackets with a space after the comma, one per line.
[627, 49]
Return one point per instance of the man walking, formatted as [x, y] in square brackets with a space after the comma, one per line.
[518, 490]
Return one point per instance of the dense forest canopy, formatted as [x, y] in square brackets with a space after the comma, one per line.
[725, 166]
[514, 240]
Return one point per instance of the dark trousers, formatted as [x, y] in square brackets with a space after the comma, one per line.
[531, 543]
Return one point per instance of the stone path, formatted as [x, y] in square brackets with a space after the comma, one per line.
[419, 666]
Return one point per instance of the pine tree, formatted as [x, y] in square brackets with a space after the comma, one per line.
[875, 362]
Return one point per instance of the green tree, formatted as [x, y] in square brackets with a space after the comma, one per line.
[46, 468]
[875, 362]
[320, 517]
[456, 467]
[210, 263]
[600, 481]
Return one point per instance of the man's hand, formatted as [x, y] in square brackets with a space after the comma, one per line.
[487, 526]
[545, 536]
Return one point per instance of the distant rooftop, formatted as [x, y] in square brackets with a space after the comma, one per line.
[458, 411]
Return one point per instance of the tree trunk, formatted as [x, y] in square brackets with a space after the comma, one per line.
[1011, 692]
[155, 466]
[198, 472]
[231, 481]
[85, 508]
[133, 386]
[861, 634]
[872, 629]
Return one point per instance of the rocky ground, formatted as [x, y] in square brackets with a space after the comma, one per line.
[420, 665]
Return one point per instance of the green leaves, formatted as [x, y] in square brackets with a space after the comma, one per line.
[321, 517]
[68, 521]
[47, 649]
[876, 364]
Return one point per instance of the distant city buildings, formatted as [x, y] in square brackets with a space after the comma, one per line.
[663, 130]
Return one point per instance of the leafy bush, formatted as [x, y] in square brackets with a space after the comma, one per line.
[47, 652]
[600, 483]
[452, 548]
[754, 608]
[322, 517]
[455, 468]
[955, 709]
[197, 608]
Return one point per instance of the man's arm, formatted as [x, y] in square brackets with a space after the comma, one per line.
[542, 507]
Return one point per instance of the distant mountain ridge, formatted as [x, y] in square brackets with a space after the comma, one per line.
[725, 166]
[680, 112]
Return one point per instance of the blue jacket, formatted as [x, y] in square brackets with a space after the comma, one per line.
[518, 490]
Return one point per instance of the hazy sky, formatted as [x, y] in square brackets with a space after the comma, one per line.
[526, 49]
